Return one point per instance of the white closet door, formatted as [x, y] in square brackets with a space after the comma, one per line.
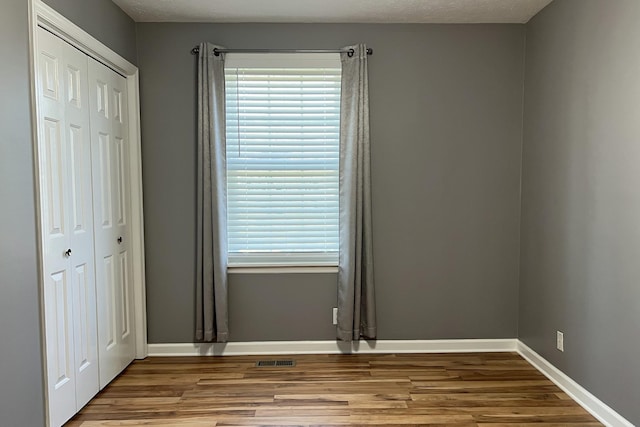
[109, 140]
[58, 299]
[67, 230]
[81, 224]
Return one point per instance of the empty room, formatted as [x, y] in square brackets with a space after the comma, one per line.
[320, 213]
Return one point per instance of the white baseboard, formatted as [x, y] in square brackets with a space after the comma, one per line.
[331, 347]
[588, 401]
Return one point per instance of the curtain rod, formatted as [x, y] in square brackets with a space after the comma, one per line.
[217, 51]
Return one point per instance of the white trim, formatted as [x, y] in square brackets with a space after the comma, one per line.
[283, 259]
[137, 217]
[584, 398]
[331, 347]
[51, 20]
[282, 269]
[282, 60]
[46, 17]
[33, 49]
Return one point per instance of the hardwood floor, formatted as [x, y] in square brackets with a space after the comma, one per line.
[461, 390]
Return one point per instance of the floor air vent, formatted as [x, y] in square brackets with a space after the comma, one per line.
[275, 363]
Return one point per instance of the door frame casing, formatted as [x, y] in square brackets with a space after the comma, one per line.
[41, 15]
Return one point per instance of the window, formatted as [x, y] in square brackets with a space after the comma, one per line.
[283, 128]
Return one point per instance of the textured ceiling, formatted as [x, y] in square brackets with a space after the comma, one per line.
[361, 11]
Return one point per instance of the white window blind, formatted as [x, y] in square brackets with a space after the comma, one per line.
[282, 129]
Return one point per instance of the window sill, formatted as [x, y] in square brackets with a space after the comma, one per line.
[282, 269]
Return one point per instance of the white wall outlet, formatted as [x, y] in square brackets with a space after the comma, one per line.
[559, 340]
[335, 315]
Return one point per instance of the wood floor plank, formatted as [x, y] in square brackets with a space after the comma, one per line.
[451, 390]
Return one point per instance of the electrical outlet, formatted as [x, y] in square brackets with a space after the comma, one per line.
[335, 315]
[559, 340]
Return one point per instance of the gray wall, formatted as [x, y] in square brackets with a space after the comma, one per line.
[446, 121]
[21, 376]
[581, 205]
[104, 20]
[21, 384]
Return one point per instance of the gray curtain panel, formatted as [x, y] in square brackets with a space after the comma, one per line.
[356, 295]
[211, 276]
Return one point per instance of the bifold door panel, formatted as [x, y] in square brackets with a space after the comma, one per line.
[109, 132]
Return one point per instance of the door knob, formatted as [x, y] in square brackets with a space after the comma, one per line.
[67, 253]
[119, 239]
